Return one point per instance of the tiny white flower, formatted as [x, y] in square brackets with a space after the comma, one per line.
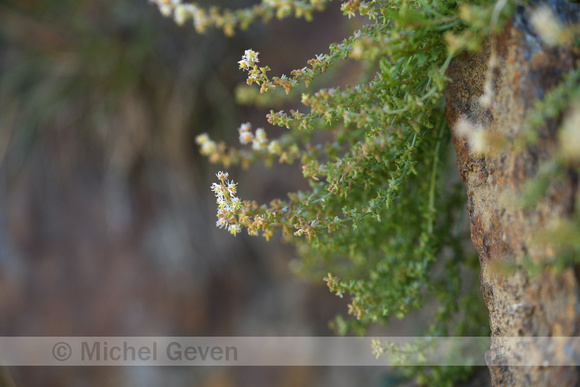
[235, 229]
[221, 222]
[274, 147]
[181, 14]
[245, 127]
[261, 134]
[222, 175]
[260, 140]
[236, 203]
[246, 137]
[218, 189]
[165, 10]
[249, 59]
[258, 145]
[202, 138]
[243, 64]
[232, 188]
[208, 148]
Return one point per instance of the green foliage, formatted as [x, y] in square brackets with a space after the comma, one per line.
[562, 235]
[379, 222]
[553, 105]
[376, 214]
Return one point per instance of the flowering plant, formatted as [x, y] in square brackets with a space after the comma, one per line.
[380, 218]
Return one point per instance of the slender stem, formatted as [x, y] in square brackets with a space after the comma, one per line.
[434, 172]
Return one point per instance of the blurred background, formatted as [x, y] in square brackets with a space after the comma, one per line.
[106, 215]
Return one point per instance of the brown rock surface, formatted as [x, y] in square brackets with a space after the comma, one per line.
[493, 93]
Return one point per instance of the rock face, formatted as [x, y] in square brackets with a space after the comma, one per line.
[489, 100]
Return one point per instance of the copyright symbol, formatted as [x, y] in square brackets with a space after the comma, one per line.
[61, 351]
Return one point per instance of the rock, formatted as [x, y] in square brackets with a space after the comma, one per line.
[489, 101]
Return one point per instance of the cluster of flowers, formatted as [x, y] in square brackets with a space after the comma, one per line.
[258, 75]
[262, 148]
[207, 146]
[182, 12]
[228, 20]
[259, 140]
[249, 59]
[234, 214]
[228, 203]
